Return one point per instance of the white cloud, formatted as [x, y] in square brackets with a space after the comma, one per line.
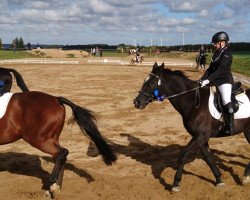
[189, 21]
[141, 18]
[204, 13]
[101, 7]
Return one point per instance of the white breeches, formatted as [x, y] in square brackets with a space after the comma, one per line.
[225, 92]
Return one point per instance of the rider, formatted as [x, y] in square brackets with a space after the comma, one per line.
[137, 57]
[219, 74]
[202, 52]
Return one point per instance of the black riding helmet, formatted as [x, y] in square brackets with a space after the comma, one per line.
[220, 36]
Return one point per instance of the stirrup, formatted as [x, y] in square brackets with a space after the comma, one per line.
[229, 130]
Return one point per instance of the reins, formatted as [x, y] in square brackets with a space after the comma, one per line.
[196, 99]
[197, 93]
[181, 93]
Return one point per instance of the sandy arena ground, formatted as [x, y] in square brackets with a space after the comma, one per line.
[147, 143]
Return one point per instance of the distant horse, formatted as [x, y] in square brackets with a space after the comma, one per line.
[182, 94]
[201, 62]
[38, 119]
[6, 79]
[134, 60]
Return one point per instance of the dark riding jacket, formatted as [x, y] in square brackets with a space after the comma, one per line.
[219, 71]
[202, 52]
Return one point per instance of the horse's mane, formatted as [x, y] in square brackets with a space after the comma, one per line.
[175, 72]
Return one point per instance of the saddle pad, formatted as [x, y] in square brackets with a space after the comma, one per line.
[243, 112]
[4, 101]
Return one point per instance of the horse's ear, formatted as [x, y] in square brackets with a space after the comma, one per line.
[161, 67]
[155, 65]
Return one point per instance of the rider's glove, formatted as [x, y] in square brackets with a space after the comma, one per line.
[203, 83]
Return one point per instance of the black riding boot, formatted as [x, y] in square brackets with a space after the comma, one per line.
[229, 118]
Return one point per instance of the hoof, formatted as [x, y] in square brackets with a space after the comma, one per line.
[47, 194]
[176, 189]
[54, 190]
[245, 180]
[221, 184]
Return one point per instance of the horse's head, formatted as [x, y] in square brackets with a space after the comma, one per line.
[151, 88]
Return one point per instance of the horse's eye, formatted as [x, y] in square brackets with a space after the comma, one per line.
[152, 82]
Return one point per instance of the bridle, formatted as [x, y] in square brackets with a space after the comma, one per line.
[151, 97]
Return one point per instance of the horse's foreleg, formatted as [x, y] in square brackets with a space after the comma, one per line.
[207, 157]
[132, 63]
[57, 173]
[246, 177]
[193, 144]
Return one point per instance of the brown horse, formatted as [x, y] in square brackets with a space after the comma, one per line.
[182, 93]
[38, 119]
[134, 60]
[6, 79]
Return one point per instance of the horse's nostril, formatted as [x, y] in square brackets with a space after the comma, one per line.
[136, 103]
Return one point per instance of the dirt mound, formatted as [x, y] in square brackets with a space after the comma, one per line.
[58, 53]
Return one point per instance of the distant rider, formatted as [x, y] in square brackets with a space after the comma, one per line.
[202, 52]
[137, 57]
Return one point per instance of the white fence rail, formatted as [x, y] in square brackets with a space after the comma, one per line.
[38, 61]
[120, 62]
[244, 80]
[104, 61]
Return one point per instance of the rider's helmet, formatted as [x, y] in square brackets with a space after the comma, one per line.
[202, 47]
[220, 36]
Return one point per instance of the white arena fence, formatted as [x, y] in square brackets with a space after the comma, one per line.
[107, 61]
[38, 61]
[243, 80]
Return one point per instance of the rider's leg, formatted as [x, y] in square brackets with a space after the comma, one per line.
[225, 92]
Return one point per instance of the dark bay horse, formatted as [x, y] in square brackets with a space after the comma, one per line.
[6, 79]
[197, 120]
[38, 119]
[201, 62]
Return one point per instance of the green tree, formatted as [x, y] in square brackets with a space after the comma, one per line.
[15, 43]
[1, 44]
[20, 43]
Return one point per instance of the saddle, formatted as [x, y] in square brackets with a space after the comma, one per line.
[236, 89]
[4, 101]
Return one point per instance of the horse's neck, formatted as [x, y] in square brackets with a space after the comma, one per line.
[182, 103]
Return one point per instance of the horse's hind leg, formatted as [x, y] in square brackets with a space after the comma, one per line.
[207, 157]
[56, 177]
[246, 177]
[59, 154]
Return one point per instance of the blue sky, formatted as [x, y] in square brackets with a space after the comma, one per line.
[142, 22]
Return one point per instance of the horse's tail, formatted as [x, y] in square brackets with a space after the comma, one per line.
[19, 80]
[86, 121]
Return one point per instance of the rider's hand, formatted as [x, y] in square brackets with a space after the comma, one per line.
[203, 83]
